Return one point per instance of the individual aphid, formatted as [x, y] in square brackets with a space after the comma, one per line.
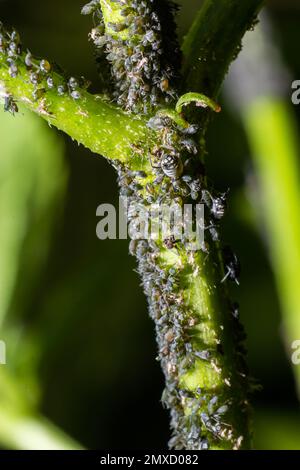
[170, 242]
[187, 179]
[191, 129]
[231, 265]
[135, 187]
[90, 7]
[28, 60]
[125, 192]
[45, 66]
[117, 27]
[212, 404]
[172, 166]
[61, 89]
[35, 78]
[205, 355]
[14, 49]
[214, 233]
[73, 83]
[151, 189]
[10, 105]
[50, 82]
[75, 94]
[235, 310]
[180, 187]
[3, 44]
[98, 37]
[222, 410]
[164, 84]
[14, 36]
[125, 179]
[194, 195]
[84, 83]
[140, 174]
[204, 444]
[133, 244]
[43, 108]
[217, 205]
[142, 249]
[38, 93]
[192, 321]
[195, 185]
[189, 145]
[13, 69]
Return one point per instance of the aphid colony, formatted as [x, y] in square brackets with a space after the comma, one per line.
[180, 173]
[144, 64]
[178, 176]
[142, 68]
[42, 74]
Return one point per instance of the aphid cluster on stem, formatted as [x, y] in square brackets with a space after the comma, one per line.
[42, 74]
[145, 61]
[175, 161]
[175, 322]
[143, 68]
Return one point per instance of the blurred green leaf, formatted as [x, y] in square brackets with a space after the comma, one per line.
[33, 179]
[32, 183]
[277, 429]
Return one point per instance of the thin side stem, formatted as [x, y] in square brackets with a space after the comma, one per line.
[214, 41]
[90, 120]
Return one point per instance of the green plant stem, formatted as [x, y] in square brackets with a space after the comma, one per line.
[91, 121]
[221, 375]
[202, 295]
[214, 41]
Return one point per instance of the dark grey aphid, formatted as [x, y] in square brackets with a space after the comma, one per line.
[13, 68]
[172, 166]
[35, 78]
[38, 93]
[28, 60]
[231, 265]
[61, 89]
[50, 82]
[90, 7]
[75, 94]
[10, 105]
[217, 205]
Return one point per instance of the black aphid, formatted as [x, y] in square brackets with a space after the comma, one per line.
[10, 105]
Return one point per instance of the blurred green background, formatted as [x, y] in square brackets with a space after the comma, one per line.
[81, 368]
